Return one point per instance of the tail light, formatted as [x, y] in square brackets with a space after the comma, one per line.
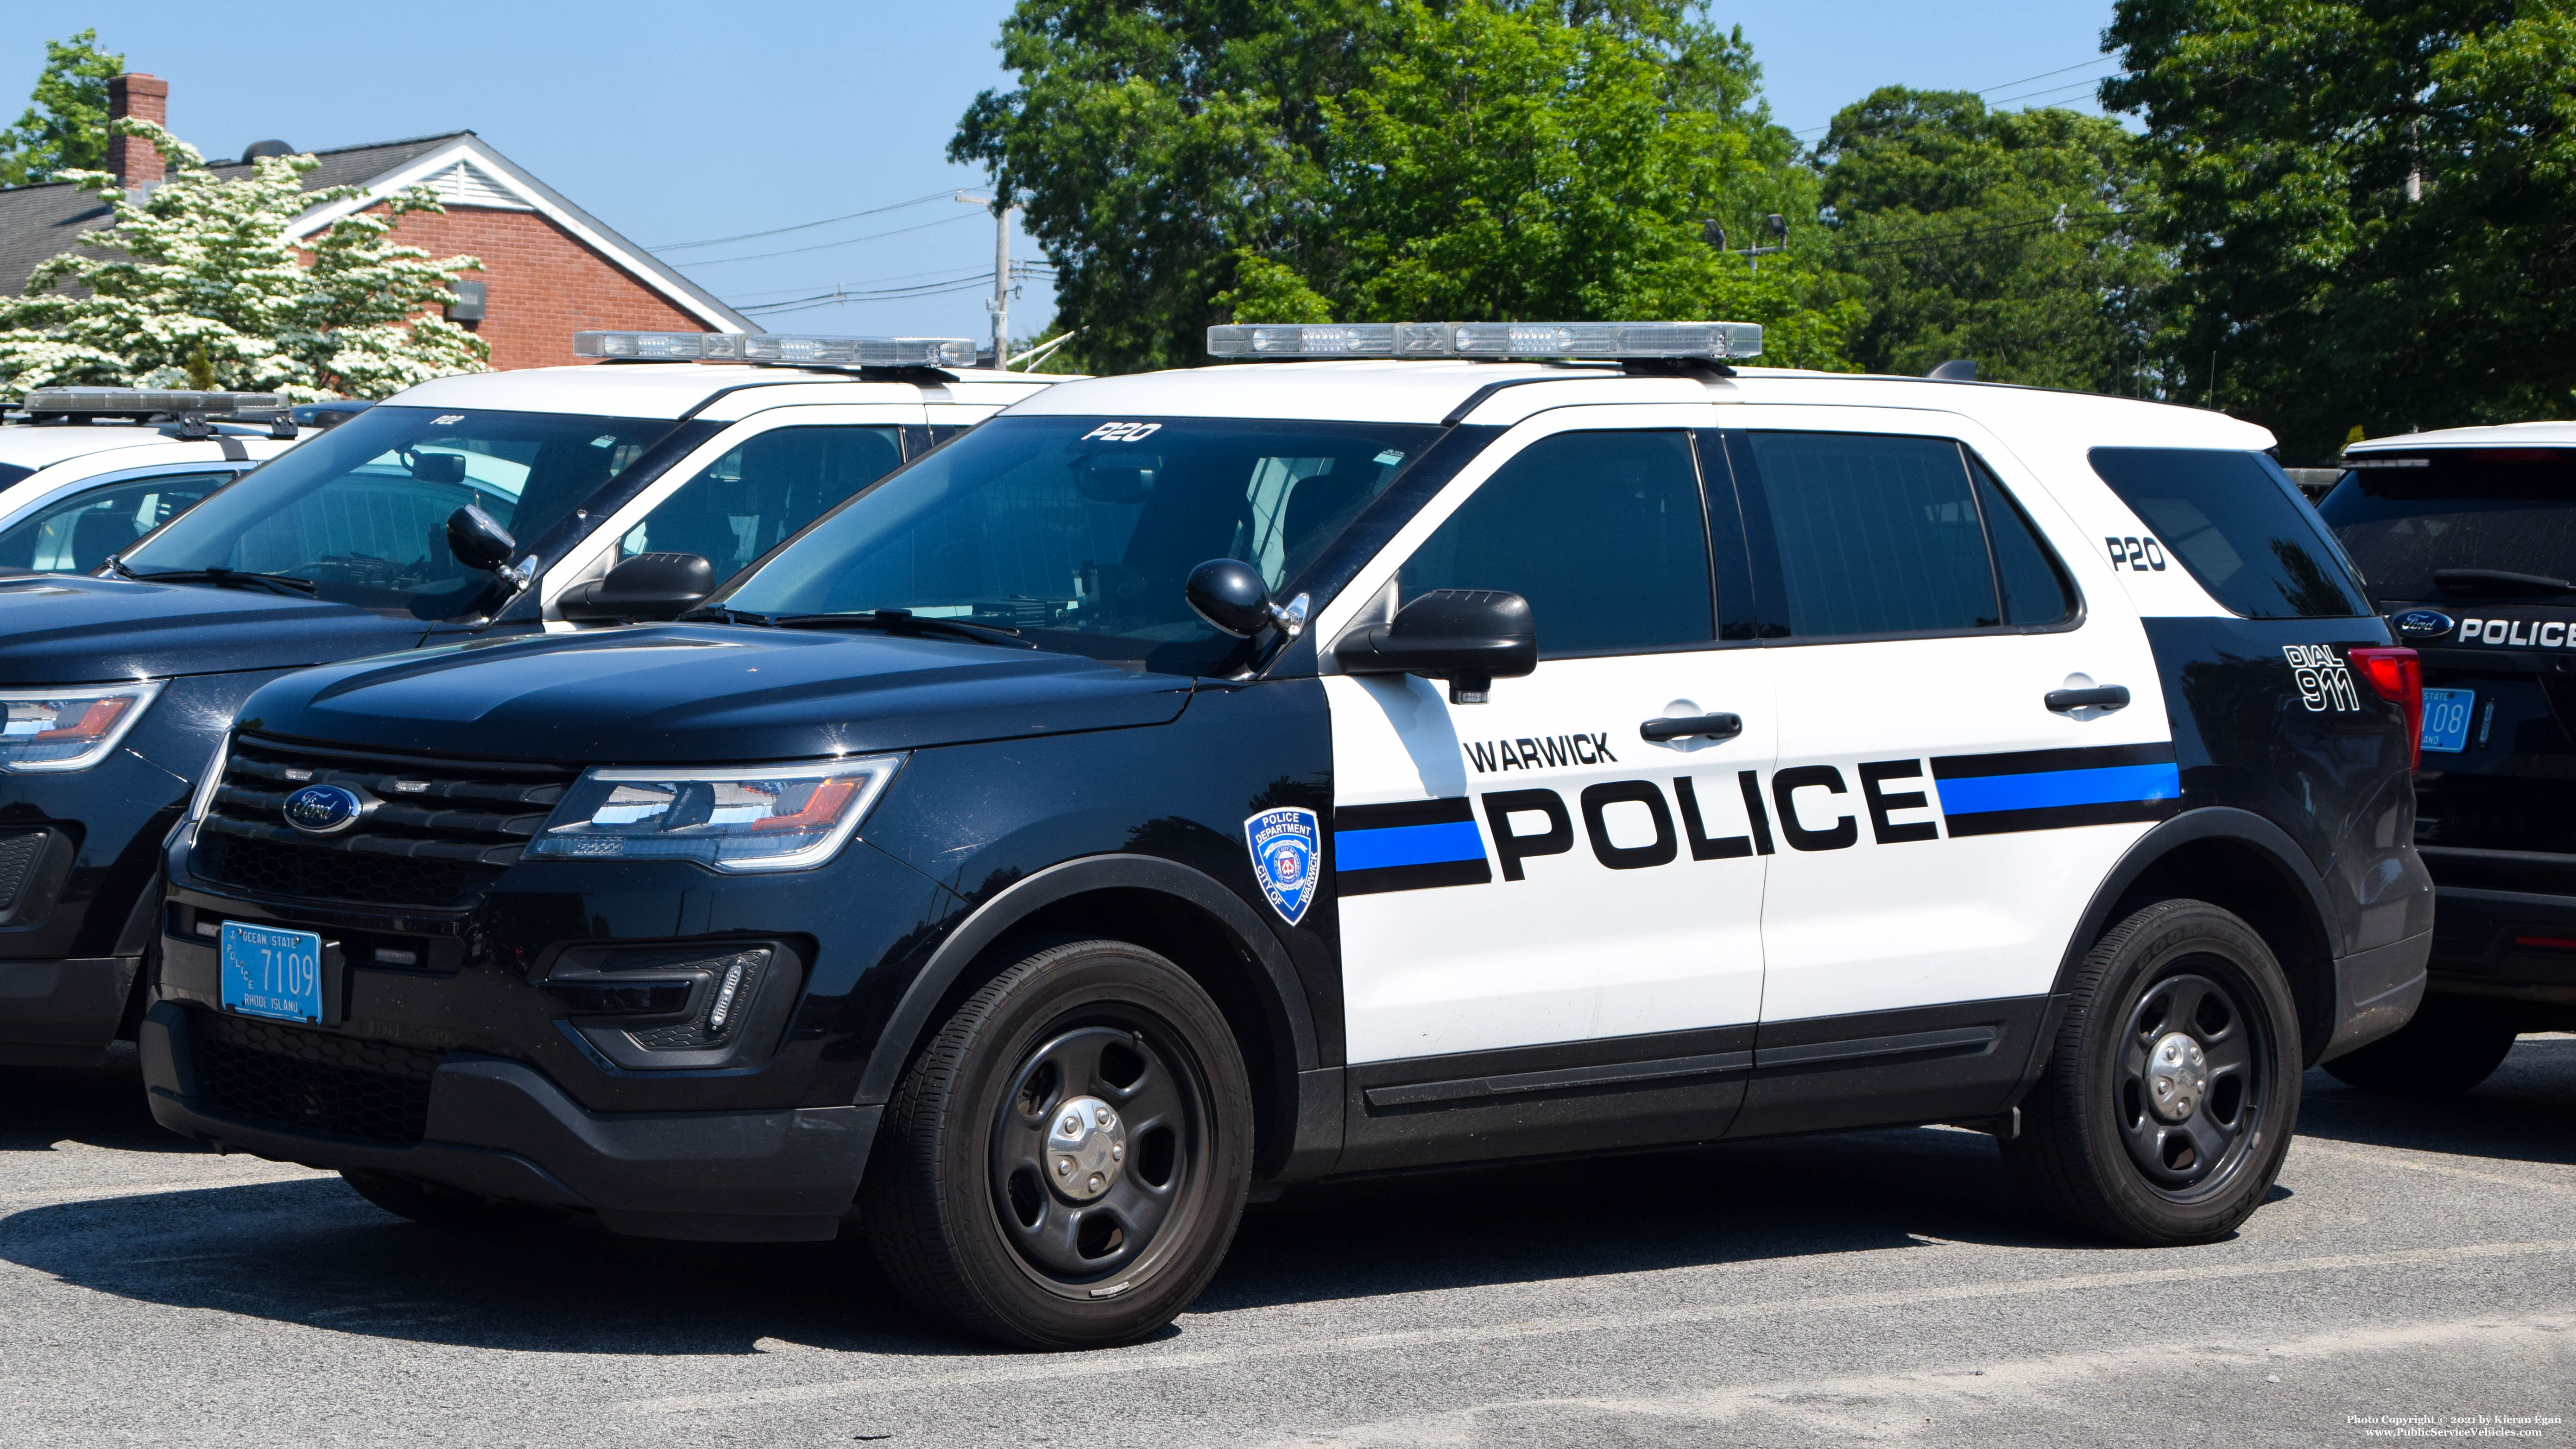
[2398, 676]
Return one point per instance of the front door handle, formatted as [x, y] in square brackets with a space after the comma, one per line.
[1693, 726]
[2108, 696]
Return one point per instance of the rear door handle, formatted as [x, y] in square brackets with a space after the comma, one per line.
[2108, 696]
[1693, 726]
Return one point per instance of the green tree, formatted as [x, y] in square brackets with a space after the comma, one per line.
[2373, 205]
[1185, 162]
[2009, 237]
[199, 283]
[66, 127]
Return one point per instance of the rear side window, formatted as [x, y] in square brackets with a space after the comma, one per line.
[1601, 532]
[2237, 524]
[2410, 523]
[1895, 535]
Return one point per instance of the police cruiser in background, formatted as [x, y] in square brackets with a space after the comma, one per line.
[2467, 538]
[463, 509]
[85, 471]
[1506, 740]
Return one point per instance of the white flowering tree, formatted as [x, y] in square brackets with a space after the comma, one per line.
[197, 285]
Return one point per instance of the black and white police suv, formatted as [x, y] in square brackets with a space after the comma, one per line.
[2467, 539]
[467, 508]
[1213, 779]
[85, 471]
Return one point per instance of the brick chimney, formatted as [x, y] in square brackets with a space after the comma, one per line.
[145, 98]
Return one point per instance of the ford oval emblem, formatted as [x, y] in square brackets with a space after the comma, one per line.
[2424, 623]
[323, 809]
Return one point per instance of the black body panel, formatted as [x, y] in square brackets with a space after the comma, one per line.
[68, 629]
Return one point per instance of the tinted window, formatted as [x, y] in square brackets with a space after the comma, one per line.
[746, 503]
[1601, 532]
[2033, 581]
[1082, 531]
[2511, 511]
[362, 509]
[77, 534]
[1875, 535]
[2238, 524]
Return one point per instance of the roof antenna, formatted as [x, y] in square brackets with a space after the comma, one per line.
[1957, 369]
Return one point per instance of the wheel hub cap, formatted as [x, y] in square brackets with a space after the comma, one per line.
[1086, 1148]
[2177, 1076]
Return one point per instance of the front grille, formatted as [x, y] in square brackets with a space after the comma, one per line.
[443, 830]
[312, 1081]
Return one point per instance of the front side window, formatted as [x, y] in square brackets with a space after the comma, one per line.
[1601, 532]
[361, 511]
[1877, 535]
[745, 503]
[1080, 532]
[2238, 524]
[78, 533]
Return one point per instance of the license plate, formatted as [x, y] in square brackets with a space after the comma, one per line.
[2446, 719]
[271, 972]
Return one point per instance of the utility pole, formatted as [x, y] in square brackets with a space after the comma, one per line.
[1000, 305]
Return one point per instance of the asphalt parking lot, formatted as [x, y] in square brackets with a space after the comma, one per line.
[1882, 1287]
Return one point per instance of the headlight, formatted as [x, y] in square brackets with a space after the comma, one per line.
[71, 728]
[748, 817]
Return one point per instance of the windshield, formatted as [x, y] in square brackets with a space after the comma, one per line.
[362, 510]
[2511, 510]
[1080, 532]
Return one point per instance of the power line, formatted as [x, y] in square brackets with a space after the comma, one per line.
[1990, 90]
[738, 298]
[800, 226]
[827, 246]
[2092, 218]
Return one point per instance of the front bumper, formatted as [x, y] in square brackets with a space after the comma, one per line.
[498, 1128]
[62, 1013]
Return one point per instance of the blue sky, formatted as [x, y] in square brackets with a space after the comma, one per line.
[687, 122]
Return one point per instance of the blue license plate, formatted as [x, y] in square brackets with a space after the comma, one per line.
[2446, 719]
[272, 973]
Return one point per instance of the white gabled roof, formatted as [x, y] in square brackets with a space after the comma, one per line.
[2498, 435]
[468, 172]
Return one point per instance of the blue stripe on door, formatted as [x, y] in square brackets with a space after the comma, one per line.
[2115, 785]
[1407, 845]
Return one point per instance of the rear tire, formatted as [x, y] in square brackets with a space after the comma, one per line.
[440, 1207]
[2453, 1044]
[1064, 1162]
[2172, 1086]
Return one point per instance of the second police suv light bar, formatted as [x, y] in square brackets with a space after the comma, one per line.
[1714, 341]
[775, 347]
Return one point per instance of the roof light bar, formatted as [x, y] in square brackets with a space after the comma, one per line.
[773, 347]
[142, 402]
[1717, 341]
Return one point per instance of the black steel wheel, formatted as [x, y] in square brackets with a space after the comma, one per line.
[2172, 1085]
[1064, 1162]
[2452, 1045]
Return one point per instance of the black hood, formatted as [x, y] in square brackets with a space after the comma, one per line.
[693, 693]
[73, 629]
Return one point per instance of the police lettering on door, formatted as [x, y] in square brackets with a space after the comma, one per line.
[1659, 820]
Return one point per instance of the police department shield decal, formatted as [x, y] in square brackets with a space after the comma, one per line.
[1285, 846]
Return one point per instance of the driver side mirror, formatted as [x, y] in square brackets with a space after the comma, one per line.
[647, 586]
[480, 542]
[1468, 637]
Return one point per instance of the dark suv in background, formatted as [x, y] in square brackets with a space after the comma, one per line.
[2467, 539]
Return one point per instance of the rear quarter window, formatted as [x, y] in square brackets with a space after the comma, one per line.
[2237, 524]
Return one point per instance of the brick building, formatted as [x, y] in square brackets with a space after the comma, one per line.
[550, 269]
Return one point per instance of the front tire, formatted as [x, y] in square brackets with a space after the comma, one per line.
[2452, 1045]
[2172, 1086]
[1064, 1163]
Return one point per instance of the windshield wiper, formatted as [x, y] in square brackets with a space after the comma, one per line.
[2472, 581]
[224, 579]
[720, 615]
[904, 621]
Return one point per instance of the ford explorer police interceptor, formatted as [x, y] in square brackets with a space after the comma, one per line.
[2464, 538]
[463, 508]
[1506, 740]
